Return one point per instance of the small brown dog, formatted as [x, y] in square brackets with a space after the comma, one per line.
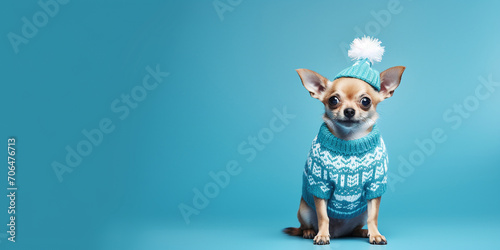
[345, 174]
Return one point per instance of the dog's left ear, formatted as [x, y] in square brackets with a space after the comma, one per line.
[389, 80]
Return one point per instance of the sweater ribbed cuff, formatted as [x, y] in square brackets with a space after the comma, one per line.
[380, 191]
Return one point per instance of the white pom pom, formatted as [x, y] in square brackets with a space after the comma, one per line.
[366, 47]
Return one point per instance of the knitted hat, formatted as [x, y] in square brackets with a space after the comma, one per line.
[365, 51]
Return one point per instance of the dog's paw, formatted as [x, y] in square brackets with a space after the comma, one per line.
[308, 233]
[321, 239]
[377, 239]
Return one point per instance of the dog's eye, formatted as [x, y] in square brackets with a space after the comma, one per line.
[365, 101]
[333, 100]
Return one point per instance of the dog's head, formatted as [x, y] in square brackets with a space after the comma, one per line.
[350, 103]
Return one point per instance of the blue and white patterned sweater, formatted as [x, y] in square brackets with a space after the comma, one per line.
[346, 173]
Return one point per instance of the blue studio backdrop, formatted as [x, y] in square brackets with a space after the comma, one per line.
[183, 124]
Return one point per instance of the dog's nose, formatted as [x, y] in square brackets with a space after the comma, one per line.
[349, 112]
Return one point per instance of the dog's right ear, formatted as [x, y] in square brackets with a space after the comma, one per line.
[313, 82]
[389, 81]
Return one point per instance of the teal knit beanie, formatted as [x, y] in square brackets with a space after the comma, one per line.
[365, 51]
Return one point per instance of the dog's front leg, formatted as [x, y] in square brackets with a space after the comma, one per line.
[374, 234]
[323, 236]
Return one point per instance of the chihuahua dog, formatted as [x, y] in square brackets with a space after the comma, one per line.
[345, 174]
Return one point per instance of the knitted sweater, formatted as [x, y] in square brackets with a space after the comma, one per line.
[346, 173]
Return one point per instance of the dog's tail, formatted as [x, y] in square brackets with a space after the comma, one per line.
[293, 231]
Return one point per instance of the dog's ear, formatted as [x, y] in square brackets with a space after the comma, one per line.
[313, 82]
[389, 81]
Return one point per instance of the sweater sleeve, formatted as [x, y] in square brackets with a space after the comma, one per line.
[378, 184]
[316, 181]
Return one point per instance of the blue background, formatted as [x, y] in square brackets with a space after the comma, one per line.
[226, 77]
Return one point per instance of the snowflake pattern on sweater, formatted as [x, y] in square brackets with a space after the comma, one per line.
[346, 173]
